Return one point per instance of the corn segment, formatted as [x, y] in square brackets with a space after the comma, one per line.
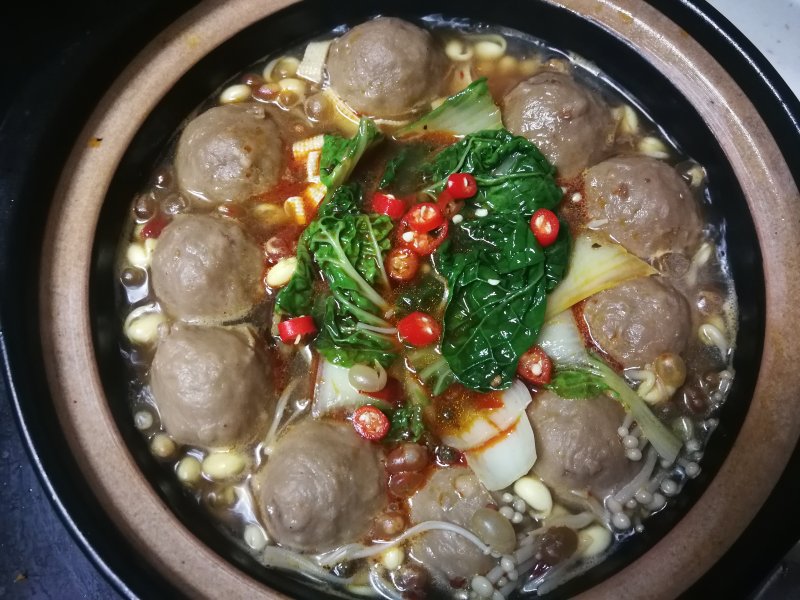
[301, 149]
[314, 194]
[296, 210]
[312, 166]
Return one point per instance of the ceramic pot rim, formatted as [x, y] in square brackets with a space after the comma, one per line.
[691, 547]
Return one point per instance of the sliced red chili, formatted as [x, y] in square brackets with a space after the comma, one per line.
[388, 204]
[402, 264]
[297, 326]
[392, 392]
[154, 227]
[419, 329]
[462, 186]
[545, 226]
[535, 366]
[370, 423]
[424, 217]
[422, 244]
[448, 205]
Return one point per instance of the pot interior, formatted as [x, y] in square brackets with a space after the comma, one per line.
[726, 209]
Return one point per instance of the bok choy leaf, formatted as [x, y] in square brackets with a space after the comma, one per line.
[349, 249]
[340, 155]
[512, 174]
[596, 264]
[497, 273]
[432, 369]
[580, 375]
[470, 110]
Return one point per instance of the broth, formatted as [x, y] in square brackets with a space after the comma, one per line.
[534, 531]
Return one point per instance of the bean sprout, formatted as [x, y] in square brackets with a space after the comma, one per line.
[386, 330]
[274, 556]
[596, 224]
[380, 586]
[627, 492]
[710, 335]
[647, 380]
[279, 409]
[356, 551]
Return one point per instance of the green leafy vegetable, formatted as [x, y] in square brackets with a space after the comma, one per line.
[470, 110]
[392, 166]
[498, 275]
[591, 377]
[512, 174]
[407, 424]
[577, 384]
[340, 155]
[403, 172]
[427, 293]
[497, 300]
[349, 249]
[432, 369]
[297, 297]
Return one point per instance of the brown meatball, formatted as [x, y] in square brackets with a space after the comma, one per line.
[229, 153]
[571, 125]
[386, 67]
[321, 487]
[648, 207]
[206, 269]
[578, 446]
[210, 386]
[452, 494]
[638, 320]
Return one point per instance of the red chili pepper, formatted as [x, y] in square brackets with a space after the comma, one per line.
[448, 205]
[419, 329]
[422, 244]
[388, 204]
[535, 366]
[154, 227]
[545, 226]
[370, 423]
[297, 326]
[424, 217]
[402, 264]
[462, 186]
[392, 392]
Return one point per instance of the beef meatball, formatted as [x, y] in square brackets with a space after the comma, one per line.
[452, 494]
[205, 269]
[229, 153]
[638, 320]
[643, 204]
[578, 446]
[321, 487]
[210, 386]
[571, 125]
[386, 67]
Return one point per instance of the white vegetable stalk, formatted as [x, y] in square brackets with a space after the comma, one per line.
[563, 343]
[596, 264]
[505, 458]
[499, 444]
[561, 340]
[334, 391]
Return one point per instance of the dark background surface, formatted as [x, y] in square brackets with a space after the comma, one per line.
[45, 53]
